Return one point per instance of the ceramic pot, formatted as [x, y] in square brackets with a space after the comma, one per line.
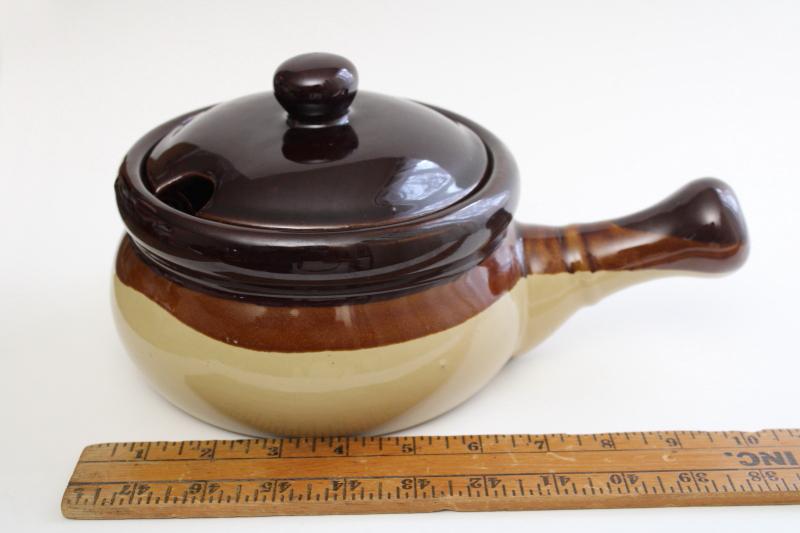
[321, 261]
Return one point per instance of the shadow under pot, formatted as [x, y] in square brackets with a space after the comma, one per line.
[311, 262]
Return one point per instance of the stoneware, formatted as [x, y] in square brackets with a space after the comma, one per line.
[322, 261]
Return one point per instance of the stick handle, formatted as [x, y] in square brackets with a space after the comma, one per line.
[700, 228]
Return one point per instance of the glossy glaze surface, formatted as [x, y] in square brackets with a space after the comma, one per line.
[369, 390]
[713, 240]
[376, 223]
[382, 366]
[350, 326]
[377, 389]
[700, 228]
[352, 266]
[316, 89]
[393, 161]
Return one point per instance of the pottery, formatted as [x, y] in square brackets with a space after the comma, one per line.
[320, 260]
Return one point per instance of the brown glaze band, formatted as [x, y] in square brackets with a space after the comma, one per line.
[700, 228]
[317, 328]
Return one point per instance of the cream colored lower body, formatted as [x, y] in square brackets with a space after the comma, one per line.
[553, 298]
[371, 390]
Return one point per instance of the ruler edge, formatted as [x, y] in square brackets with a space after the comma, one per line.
[562, 503]
[454, 436]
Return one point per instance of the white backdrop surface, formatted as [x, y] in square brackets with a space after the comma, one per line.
[607, 106]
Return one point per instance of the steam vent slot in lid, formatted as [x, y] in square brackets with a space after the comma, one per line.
[189, 193]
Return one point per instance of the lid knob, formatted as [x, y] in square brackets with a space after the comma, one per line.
[316, 89]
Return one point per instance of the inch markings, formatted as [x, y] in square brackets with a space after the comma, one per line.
[301, 476]
[307, 447]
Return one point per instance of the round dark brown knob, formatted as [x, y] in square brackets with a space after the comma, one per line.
[317, 88]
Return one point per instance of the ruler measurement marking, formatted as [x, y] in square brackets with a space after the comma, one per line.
[624, 476]
[750, 439]
[705, 468]
[500, 474]
[422, 453]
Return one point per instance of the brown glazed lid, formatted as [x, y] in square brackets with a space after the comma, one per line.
[316, 192]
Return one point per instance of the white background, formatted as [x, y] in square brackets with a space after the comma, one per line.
[608, 107]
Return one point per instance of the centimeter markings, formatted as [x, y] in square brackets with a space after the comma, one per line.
[333, 475]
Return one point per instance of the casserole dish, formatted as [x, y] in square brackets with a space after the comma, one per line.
[316, 260]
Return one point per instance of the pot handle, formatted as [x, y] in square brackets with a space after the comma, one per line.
[700, 228]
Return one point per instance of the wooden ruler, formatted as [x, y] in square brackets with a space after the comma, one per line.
[301, 476]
